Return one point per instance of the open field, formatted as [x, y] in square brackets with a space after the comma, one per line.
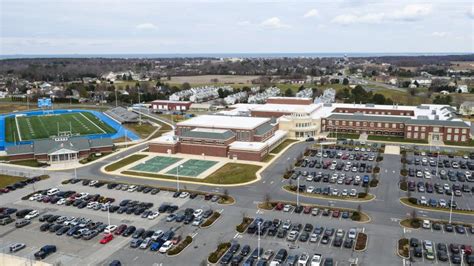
[6, 180]
[44, 126]
[207, 79]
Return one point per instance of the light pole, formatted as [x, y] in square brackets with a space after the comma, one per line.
[108, 214]
[451, 206]
[75, 172]
[321, 154]
[437, 161]
[298, 192]
[258, 241]
[177, 177]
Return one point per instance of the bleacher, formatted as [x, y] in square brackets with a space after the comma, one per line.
[122, 115]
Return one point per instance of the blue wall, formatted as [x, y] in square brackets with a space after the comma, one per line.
[117, 126]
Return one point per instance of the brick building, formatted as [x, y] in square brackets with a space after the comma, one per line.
[245, 138]
[164, 105]
[59, 149]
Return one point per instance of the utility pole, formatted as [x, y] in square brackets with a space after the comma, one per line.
[298, 193]
[451, 206]
[140, 109]
[116, 103]
[177, 177]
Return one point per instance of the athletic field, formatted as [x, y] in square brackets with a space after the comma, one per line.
[45, 126]
[192, 168]
[155, 164]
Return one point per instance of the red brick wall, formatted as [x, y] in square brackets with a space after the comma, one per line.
[189, 148]
[249, 156]
[162, 148]
[20, 157]
[268, 114]
[171, 105]
[297, 101]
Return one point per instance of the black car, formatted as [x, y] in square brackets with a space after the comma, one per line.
[348, 243]
[337, 241]
[281, 255]
[227, 258]
[234, 248]
[417, 252]
[176, 194]
[62, 230]
[442, 255]
[414, 242]
[304, 237]
[129, 231]
[207, 213]
[298, 209]
[138, 233]
[236, 260]
[45, 227]
[45, 251]
[45, 217]
[456, 258]
[23, 213]
[245, 250]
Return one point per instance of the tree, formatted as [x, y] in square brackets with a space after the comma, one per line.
[345, 81]
[186, 86]
[378, 99]
[289, 93]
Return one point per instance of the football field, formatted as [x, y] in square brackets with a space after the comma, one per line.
[44, 126]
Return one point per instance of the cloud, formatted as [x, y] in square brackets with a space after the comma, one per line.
[146, 26]
[440, 34]
[311, 13]
[244, 23]
[470, 14]
[273, 23]
[412, 12]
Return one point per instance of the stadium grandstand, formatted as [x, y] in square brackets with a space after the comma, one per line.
[122, 115]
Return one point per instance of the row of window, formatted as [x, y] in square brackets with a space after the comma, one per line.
[371, 124]
[304, 124]
[450, 137]
[437, 129]
[374, 112]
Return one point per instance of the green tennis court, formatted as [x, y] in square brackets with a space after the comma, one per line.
[192, 167]
[155, 164]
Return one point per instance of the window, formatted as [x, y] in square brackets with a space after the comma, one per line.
[357, 123]
[409, 135]
[463, 138]
[371, 124]
[394, 125]
[456, 130]
[344, 123]
[401, 125]
[449, 130]
[436, 129]
[409, 128]
[350, 123]
[379, 124]
[365, 124]
[423, 135]
[456, 137]
[464, 131]
[415, 135]
[337, 122]
[416, 128]
[386, 125]
[423, 128]
[448, 137]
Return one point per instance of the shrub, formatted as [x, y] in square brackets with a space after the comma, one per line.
[211, 219]
[379, 158]
[404, 172]
[292, 188]
[403, 247]
[361, 241]
[246, 221]
[181, 246]
[404, 185]
[413, 200]
[374, 182]
[376, 170]
[415, 223]
[361, 195]
[216, 255]
[355, 216]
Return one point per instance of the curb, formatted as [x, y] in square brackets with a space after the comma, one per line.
[366, 244]
[433, 210]
[179, 253]
[305, 194]
[212, 222]
[398, 253]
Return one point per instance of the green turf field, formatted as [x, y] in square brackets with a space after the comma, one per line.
[155, 164]
[45, 126]
[192, 167]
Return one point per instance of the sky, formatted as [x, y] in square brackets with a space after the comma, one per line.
[292, 26]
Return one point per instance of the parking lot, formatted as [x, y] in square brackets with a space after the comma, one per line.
[435, 180]
[336, 170]
[70, 249]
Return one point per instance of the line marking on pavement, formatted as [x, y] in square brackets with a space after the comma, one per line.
[194, 235]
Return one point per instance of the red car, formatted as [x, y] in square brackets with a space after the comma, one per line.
[467, 249]
[307, 209]
[106, 239]
[120, 229]
[279, 206]
[207, 197]
[336, 214]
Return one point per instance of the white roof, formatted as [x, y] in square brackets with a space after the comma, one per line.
[250, 146]
[209, 130]
[165, 139]
[286, 108]
[221, 121]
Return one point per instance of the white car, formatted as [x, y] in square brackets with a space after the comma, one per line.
[110, 228]
[426, 224]
[313, 238]
[455, 165]
[32, 214]
[61, 202]
[352, 233]
[427, 175]
[446, 187]
[344, 192]
[340, 233]
[36, 197]
[423, 200]
[198, 212]
[340, 180]
[316, 260]
[353, 192]
[166, 246]
[184, 194]
[424, 160]
[93, 182]
[442, 203]
[303, 260]
[310, 189]
[309, 178]
[357, 178]
[335, 192]
[132, 188]
[287, 208]
[83, 195]
[91, 205]
[52, 191]
[153, 215]
[157, 234]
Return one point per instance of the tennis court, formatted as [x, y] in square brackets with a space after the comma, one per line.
[192, 167]
[155, 164]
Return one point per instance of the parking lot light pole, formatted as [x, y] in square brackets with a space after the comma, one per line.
[321, 154]
[451, 206]
[75, 172]
[437, 162]
[177, 177]
[298, 193]
[258, 242]
[108, 214]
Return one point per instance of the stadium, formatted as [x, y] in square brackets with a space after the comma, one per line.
[27, 134]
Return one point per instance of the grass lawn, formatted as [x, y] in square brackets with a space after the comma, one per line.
[30, 163]
[467, 144]
[6, 180]
[268, 158]
[344, 135]
[283, 145]
[395, 139]
[44, 126]
[368, 197]
[144, 130]
[230, 173]
[125, 161]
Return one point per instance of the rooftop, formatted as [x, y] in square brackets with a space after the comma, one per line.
[220, 121]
